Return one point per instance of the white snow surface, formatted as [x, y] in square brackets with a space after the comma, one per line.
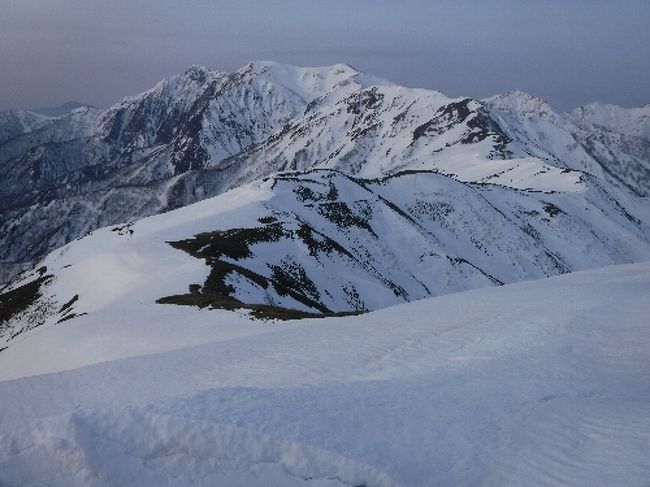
[537, 383]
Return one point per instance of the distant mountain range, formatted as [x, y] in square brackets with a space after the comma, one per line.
[388, 193]
[59, 110]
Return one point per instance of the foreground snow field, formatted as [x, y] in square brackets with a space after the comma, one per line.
[537, 383]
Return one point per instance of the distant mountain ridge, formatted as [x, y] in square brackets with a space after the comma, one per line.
[204, 132]
[57, 111]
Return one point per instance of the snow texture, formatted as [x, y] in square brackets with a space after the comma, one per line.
[536, 383]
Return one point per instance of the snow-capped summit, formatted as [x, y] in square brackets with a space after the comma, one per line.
[307, 82]
[520, 102]
[606, 141]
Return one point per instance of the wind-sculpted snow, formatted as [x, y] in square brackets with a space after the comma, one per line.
[141, 448]
[539, 383]
[204, 132]
[320, 243]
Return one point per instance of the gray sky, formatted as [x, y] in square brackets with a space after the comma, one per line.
[96, 51]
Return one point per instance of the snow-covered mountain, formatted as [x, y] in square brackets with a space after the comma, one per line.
[59, 110]
[16, 123]
[203, 132]
[612, 143]
[634, 122]
[322, 242]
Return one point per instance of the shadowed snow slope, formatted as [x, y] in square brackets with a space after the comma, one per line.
[536, 383]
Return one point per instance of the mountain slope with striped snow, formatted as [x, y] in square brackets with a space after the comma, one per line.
[322, 242]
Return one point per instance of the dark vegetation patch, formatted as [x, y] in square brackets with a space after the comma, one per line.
[559, 264]
[232, 243]
[291, 276]
[353, 297]
[552, 210]
[259, 311]
[16, 301]
[364, 127]
[70, 316]
[532, 232]
[124, 229]
[462, 261]
[434, 210]
[364, 100]
[405, 172]
[481, 125]
[319, 243]
[339, 213]
[66, 310]
[307, 194]
[445, 118]
[287, 279]
[267, 219]
[67, 306]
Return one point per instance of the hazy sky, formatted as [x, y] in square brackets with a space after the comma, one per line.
[96, 51]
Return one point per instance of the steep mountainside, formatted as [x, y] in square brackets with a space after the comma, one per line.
[634, 122]
[203, 132]
[612, 144]
[322, 242]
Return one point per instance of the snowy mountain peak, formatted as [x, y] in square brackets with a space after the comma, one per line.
[306, 82]
[518, 101]
[198, 73]
[188, 84]
[634, 122]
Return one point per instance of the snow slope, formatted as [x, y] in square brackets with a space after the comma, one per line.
[629, 121]
[609, 142]
[536, 383]
[324, 242]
